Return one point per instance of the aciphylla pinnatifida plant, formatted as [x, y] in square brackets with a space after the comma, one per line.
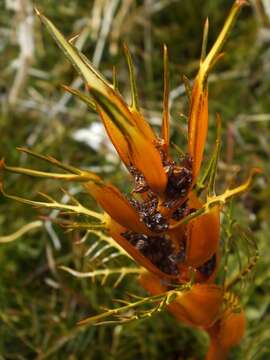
[170, 223]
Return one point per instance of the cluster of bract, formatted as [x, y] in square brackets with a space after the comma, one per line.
[170, 223]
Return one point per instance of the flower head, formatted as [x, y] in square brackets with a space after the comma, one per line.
[164, 224]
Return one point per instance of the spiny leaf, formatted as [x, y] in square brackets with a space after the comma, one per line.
[231, 301]
[107, 195]
[78, 60]
[105, 273]
[43, 174]
[81, 225]
[229, 193]
[51, 160]
[76, 209]
[162, 300]
[86, 99]
[108, 240]
[188, 88]
[219, 200]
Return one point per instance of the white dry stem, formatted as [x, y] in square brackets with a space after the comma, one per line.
[148, 40]
[25, 39]
[107, 239]
[266, 5]
[262, 11]
[96, 18]
[137, 15]
[105, 273]
[118, 24]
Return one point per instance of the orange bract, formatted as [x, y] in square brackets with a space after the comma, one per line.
[198, 124]
[116, 205]
[131, 143]
[200, 306]
[116, 231]
[162, 224]
[203, 235]
[226, 333]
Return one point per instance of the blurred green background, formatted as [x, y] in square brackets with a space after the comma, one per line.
[40, 304]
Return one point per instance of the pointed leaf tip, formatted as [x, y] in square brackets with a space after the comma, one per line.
[126, 119]
[134, 92]
[205, 40]
[37, 11]
[77, 59]
[198, 117]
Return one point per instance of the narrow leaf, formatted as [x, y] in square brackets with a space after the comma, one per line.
[198, 117]
[165, 119]
[53, 204]
[103, 272]
[219, 200]
[50, 160]
[86, 99]
[133, 86]
[83, 66]
[205, 40]
[115, 81]
[43, 174]
[188, 88]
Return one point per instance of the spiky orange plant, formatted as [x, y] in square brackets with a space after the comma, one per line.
[170, 224]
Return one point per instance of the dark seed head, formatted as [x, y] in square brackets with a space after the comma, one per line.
[149, 215]
[156, 222]
[140, 185]
[179, 180]
[157, 249]
[181, 212]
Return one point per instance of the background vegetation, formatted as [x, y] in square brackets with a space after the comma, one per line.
[40, 304]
